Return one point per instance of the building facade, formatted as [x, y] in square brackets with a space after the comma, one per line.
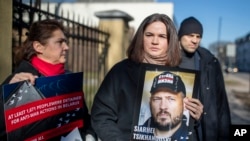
[243, 53]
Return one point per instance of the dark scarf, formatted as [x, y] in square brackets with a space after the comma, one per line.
[47, 69]
[190, 60]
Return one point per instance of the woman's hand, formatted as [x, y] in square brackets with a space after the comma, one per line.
[18, 77]
[194, 106]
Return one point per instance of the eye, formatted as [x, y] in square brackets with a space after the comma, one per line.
[171, 98]
[148, 34]
[156, 99]
[63, 41]
[198, 37]
[163, 36]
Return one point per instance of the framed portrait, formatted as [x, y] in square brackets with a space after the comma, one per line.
[160, 113]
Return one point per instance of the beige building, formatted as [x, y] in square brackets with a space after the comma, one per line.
[123, 19]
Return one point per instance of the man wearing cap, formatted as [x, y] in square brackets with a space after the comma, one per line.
[167, 107]
[215, 121]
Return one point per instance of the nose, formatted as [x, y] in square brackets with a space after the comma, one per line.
[66, 47]
[195, 40]
[164, 104]
[155, 40]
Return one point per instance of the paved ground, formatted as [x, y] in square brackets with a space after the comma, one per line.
[237, 86]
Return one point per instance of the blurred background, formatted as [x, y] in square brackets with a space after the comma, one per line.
[100, 31]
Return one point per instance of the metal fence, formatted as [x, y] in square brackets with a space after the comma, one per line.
[88, 44]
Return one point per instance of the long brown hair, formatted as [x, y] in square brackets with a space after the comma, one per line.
[39, 31]
[135, 50]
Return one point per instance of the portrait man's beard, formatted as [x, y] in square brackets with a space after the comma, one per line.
[162, 125]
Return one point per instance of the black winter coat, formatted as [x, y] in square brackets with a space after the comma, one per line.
[113, 108]
[216, 120]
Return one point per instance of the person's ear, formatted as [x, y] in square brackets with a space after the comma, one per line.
[150, 99]
[184, 104]
[38, 47]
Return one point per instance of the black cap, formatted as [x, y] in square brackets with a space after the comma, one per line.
[169, 81]
[190, 25]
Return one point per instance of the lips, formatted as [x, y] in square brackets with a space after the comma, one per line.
[164, 114]
[154, 49]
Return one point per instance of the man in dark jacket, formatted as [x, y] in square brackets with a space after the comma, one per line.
[215, 121]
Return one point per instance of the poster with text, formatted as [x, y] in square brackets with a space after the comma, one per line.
[48, 110]
[160, 113]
